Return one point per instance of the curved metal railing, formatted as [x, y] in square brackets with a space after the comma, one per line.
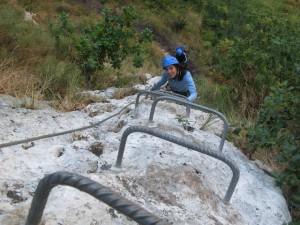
[194, 106]
[170, 93]
[102, 193]
[161, 93]
[187, 144]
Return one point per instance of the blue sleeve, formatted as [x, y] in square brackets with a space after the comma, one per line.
[160, 83]
[191, 87]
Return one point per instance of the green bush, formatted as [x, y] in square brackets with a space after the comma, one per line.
[261, 48]
[111, 40]
[215, 17]
[277, 128]
[258, 54]
[61, 29]
[158, 5]
[107, 42]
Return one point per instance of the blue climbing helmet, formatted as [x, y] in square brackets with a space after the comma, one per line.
[179, 50]
[169, 60]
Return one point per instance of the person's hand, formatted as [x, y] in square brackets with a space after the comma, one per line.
[148, 95]
[149, 88]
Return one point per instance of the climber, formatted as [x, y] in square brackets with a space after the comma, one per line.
[178, 79]
[181, 56]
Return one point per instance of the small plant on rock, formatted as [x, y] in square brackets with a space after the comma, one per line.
[185, 123]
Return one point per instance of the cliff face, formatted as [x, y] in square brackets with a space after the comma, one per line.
[177, 184]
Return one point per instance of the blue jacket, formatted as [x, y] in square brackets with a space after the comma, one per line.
[186, 84]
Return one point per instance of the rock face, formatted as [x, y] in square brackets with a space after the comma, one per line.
[28, 16]
[177, 184]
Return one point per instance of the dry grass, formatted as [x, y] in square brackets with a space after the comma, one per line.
[151, 65]
[268, 157]
[14, 80]
[123, 92]
[47, 10]
[73, 102]
[21, 83]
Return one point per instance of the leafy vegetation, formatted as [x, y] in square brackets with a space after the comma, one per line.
[258, 56]
[114, 39]
[110, 40]
[277, 129]
[255, 50]
[65, 56]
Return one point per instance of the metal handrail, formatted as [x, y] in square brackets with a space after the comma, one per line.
[187, 144]
[162, 93]
[170, 93]
[102, 193]
[194, 106]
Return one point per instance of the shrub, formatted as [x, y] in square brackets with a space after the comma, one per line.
[256, 50]
[111, 40]
[61, 28]
[278, 128]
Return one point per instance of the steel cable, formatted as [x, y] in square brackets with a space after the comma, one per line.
[63, 132]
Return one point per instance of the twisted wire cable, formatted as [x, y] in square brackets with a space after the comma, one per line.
[102, 193]
[63, 132]
[171, 138]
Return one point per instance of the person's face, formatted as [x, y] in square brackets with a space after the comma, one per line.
[171, 71]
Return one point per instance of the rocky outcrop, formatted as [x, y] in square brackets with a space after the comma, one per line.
[177, 184]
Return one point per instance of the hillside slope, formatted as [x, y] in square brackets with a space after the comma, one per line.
[177, 184]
